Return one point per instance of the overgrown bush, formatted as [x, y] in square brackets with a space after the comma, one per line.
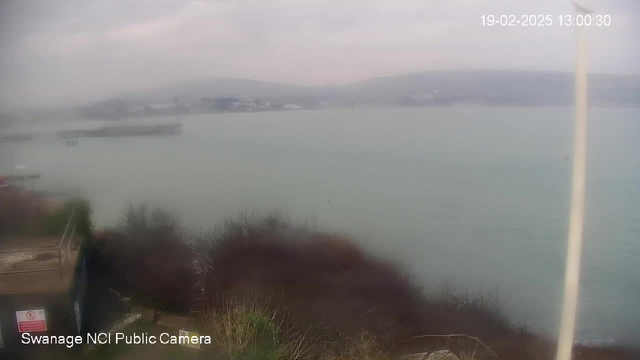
[329, 286]
[146, 256]
[23, 213]
[317, 278]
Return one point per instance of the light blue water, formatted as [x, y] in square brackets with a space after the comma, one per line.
[477, 196]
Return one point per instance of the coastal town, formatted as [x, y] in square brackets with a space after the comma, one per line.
[119, 108]
[430, 89]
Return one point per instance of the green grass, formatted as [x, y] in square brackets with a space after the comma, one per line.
[244, 331]
[252, 330]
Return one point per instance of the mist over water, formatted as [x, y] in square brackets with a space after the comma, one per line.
[475, 196]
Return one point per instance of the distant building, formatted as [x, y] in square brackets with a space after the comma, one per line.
[161, 106]
[225, 104]
[244, 105]
[263, 104]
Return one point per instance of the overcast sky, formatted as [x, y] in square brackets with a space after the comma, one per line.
[71, 51]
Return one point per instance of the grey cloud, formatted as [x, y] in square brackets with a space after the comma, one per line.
[73, 51]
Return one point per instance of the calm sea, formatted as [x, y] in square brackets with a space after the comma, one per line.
[477, 197]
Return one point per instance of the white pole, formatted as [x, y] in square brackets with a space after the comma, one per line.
[576, 218]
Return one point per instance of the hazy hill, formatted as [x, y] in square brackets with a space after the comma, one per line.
[492, 88]
[481, 87]
[499, 88]
[192, 90]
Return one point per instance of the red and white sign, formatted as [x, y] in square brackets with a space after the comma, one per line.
[31, 320]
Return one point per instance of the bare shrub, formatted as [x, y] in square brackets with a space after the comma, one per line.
[316, 278]
[146, 256]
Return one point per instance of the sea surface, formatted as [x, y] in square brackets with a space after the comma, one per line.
[475, 197]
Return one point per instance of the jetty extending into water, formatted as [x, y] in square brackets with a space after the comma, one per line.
[124, 130]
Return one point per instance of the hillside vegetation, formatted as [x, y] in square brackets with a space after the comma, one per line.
[282, 291]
